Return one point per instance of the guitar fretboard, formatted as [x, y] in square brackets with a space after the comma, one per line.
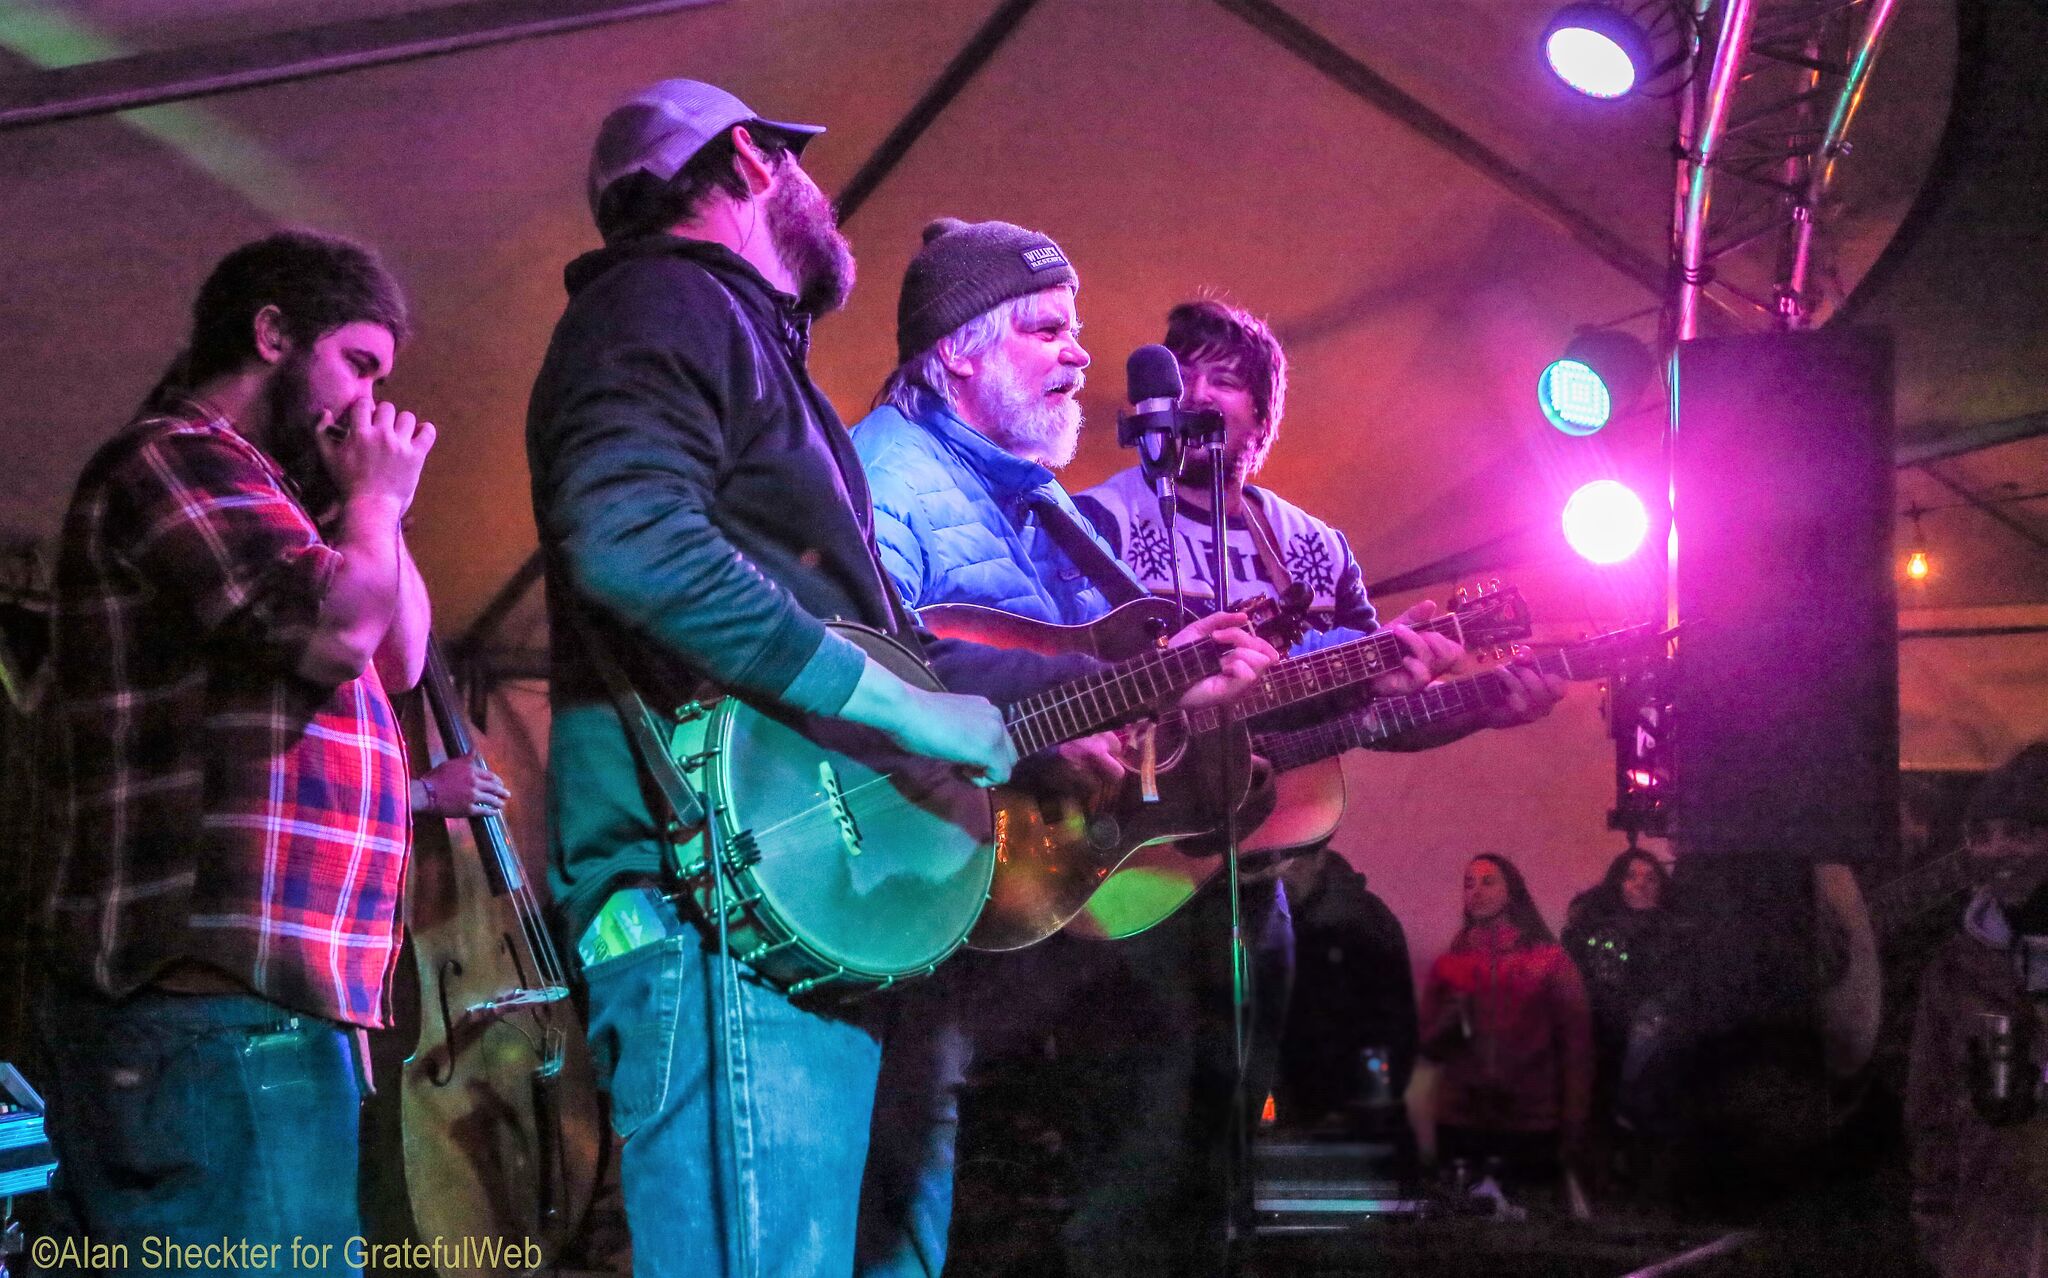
[1299, 679]
[1110, 697]
[1389, 716]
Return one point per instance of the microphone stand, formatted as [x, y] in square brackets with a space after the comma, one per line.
[1238, 1164]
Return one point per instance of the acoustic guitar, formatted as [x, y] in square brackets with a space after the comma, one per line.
[1157, 880]
[1189, 769]
[842, 865]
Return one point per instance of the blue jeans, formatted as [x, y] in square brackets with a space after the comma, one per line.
[203, 1118]
[1151, 1135]
[762, 1182]
[983, 1005]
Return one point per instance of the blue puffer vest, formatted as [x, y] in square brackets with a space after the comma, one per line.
[953, 521]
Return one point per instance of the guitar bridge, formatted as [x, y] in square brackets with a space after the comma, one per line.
[835, 797]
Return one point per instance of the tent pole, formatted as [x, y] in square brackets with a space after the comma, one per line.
[352, 44]
[973, 56]
[1368, 85]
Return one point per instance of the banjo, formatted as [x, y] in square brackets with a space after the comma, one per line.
[850, 864]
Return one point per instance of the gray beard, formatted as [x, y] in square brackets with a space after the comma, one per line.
[1025, 423]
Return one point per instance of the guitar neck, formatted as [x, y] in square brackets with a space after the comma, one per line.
[1110, 697]
[1389, 716]
[1326, 670]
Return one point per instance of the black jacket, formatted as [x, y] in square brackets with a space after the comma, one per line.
[700, 503]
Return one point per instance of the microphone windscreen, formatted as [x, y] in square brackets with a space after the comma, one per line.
[1152, 373]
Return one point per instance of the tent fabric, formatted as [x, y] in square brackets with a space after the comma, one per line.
[1171, 148]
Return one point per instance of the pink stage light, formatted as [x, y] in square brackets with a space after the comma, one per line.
[1605, 522]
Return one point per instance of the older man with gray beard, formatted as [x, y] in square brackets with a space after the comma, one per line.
[960, 456]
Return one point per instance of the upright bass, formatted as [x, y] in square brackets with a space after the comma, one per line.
[495, 1118]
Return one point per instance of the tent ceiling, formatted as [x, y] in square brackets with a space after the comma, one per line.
[1168, 145]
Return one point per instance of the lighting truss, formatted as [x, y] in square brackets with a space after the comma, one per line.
[1763, 128]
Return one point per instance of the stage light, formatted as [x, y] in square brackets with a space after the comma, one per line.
[1601, 374]
[1605, 522]
[1573, 397]
[1601, 52]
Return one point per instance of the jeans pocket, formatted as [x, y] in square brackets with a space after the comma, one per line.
[634, 1004]
[301, 1064]
[141, 1104]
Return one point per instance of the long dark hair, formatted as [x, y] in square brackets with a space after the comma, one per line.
[1604, 899]
[1521, 911]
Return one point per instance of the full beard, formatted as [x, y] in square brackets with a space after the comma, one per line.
[806, 235]
[1037, 423]
[293, 427]
[1239, 465]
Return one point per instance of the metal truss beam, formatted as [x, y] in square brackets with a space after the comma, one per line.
[973, 56]
[1774, 110]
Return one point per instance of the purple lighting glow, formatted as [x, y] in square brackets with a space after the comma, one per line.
[1605, 522]
[1597, 49]
[1590, 62]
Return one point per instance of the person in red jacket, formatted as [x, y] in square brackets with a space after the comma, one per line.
[1506, 1035]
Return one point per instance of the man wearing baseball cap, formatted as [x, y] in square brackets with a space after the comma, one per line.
[702, 510]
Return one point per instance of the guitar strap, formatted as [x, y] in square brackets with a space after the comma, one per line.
[1267, 544]
[1104, 573]
[641, 726]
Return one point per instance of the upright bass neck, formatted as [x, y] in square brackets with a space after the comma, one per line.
[501, 862]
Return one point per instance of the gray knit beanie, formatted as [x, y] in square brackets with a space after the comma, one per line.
[966, 268]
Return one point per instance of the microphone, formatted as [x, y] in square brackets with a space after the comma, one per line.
[1157, 426]
[1152, 375]
[1152, 381]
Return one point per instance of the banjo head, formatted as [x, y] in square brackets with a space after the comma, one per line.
[875, 861]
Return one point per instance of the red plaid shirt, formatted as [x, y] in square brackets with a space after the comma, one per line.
[213, 805]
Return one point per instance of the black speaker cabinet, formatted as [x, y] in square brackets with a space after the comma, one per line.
[1786, 703]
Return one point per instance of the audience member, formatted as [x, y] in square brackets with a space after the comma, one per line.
[1350, 1031]
[1979, 1136]
[1506, 1068]
[1619, 935]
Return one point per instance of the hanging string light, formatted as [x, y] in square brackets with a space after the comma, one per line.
[1918, 566]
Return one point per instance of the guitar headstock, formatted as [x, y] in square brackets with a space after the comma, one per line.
[1618, 652]
[1280, 622]
[1491, 617]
